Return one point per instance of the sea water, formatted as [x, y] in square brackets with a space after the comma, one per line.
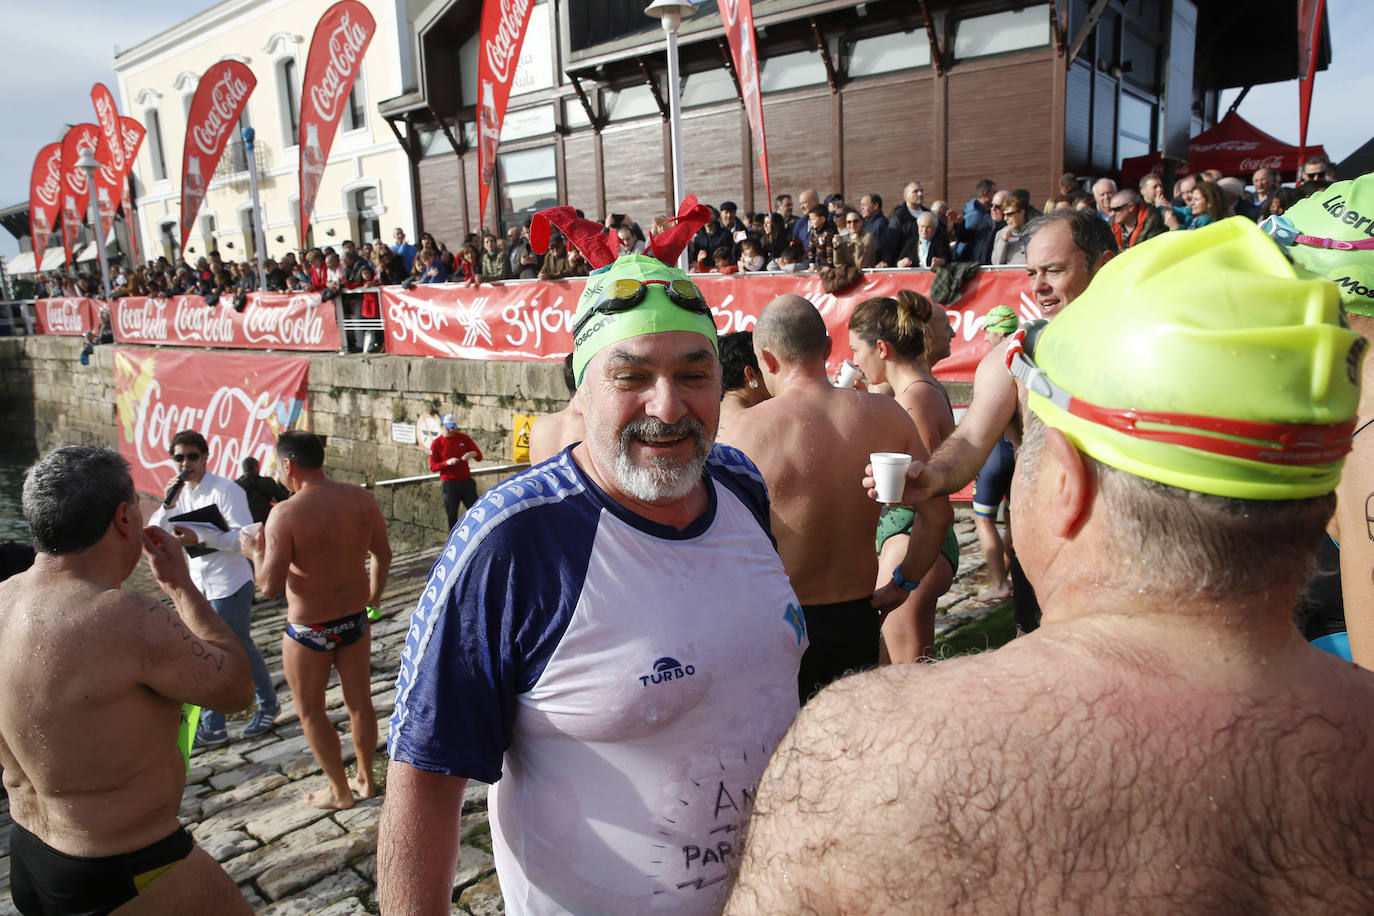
[12, 524]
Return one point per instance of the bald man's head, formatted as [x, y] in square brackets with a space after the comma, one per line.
[792, 330]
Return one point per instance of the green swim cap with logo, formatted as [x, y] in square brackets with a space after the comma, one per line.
[1001, 319]
[1201, 343]
[656, 314]
[1344, 212]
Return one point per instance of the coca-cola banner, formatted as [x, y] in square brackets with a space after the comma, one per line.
[76, 191]
[114, 167]
[66, 317]
[336, 55]
[269, 321]
[503, 31]
[215, 108]
[738, 16]
[111, 149]
[239, 403]
[45, 199]
[131, 135]
[527, 319]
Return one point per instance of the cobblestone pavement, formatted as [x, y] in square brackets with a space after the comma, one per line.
[243, 801]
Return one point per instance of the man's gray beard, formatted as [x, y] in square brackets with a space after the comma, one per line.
[668, 481]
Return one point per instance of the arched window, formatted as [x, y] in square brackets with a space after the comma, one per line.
[168, 236]
[355, 113]
[290, 93]
[153, 123]
[364, 213]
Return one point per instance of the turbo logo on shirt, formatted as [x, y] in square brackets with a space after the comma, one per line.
[667, 669]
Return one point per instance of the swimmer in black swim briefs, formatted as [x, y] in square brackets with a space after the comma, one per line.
[844, 638]
[44, 880]
[333, 634]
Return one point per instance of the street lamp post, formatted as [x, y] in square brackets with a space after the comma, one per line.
[670, 13]
[248, 134]
[88, 164]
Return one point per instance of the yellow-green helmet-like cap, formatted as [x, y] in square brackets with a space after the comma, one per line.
[1344, 212]
[1209, 326]
[655, 315]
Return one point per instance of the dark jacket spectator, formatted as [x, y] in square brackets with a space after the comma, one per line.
[262, 491]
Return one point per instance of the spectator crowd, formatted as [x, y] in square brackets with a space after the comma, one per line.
[808, 233]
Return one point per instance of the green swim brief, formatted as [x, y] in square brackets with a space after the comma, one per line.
[898, 520]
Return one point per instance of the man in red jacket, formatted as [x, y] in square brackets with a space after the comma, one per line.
[449, 454]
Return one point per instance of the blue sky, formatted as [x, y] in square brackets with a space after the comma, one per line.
[55, 50]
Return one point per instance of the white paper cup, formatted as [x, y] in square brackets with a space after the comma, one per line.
[849, 374]
[889, 475]
[252, 530]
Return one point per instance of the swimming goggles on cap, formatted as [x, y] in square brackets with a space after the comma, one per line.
[1253, 440]
[1285, 233]
[626, 293]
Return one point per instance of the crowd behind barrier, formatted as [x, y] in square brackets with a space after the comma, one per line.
[516, 320]
[499, 299]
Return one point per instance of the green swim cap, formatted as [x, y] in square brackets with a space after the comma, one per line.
[1344, 212]
[1205, 360]
[1001, 319]
[656, 314]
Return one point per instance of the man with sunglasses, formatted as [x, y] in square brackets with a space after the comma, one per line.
[1166, 742]
[1132, 221]
[218, 567]
[1317, 168]
[611, 635]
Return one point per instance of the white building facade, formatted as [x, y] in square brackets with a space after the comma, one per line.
[366, 188]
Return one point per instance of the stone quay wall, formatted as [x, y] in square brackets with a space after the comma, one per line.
[48, 399]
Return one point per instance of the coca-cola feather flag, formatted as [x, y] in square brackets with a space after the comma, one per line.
[45, 199]
[131, 135]
[336, 55]
[503, 31]
[76, 191]
[1310, 14]
[738, 16]
[215, 108]
[110, 152]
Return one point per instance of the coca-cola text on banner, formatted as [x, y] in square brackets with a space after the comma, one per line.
[239, 402]
[213, 116]
[738, 16]
[532, 320]
[45, 199]
[110, 153]
[66, 317]
[76, 191]
[269, 321]
[503, 32]
[336, 56]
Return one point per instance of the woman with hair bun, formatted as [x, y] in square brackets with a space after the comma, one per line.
[897, 341]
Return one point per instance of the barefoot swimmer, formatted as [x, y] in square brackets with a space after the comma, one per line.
[91, 702]
[313, 545]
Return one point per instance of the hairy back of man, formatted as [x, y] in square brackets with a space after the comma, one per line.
[1066, 797]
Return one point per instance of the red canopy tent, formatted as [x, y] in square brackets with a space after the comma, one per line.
[1234, 145]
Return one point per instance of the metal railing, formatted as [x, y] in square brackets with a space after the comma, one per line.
[421, 478]
[17, 318]
[368, 331]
